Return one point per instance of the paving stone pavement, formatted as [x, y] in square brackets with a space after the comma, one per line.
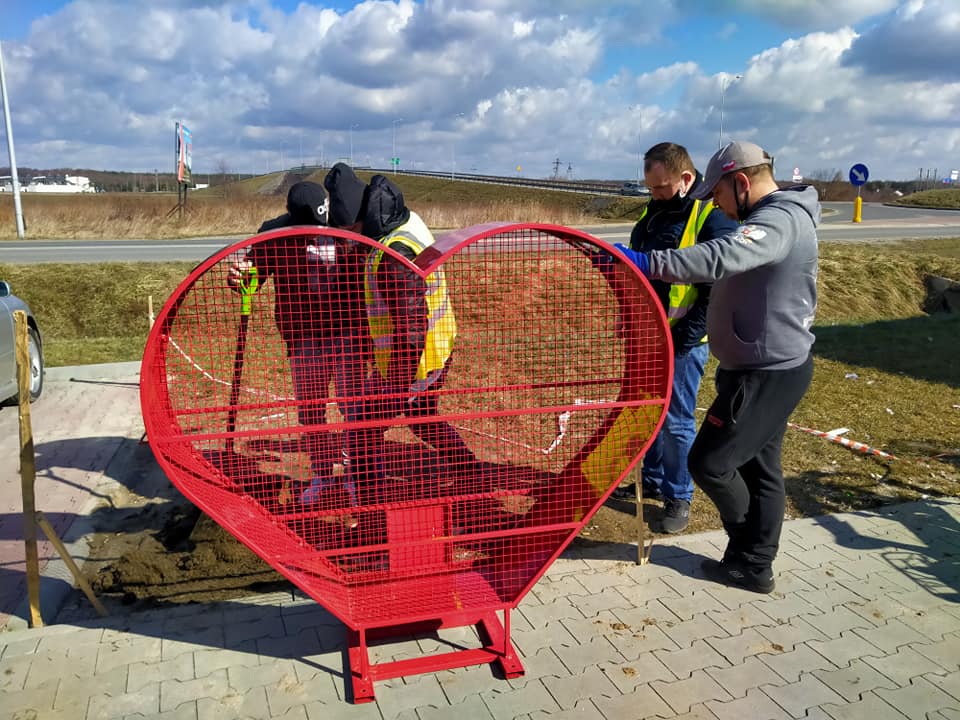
[865, 623]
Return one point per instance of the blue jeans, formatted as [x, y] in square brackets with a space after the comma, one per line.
[665, 464]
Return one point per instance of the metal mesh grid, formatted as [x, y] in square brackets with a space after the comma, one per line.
[404, 440]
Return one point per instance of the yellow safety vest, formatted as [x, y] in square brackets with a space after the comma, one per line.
[441, 323]
[682, 296]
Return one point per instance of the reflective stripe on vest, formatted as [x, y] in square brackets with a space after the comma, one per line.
[441, 323]
[682, 297]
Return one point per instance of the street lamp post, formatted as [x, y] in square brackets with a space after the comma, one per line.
[351, 143]
[394, 160]
[453, 152]
[723, 89]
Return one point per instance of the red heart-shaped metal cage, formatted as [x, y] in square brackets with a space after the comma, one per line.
[407, 441]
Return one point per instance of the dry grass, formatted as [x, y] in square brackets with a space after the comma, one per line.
[239, 208]
[940, 198]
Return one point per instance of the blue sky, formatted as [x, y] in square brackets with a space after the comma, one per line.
[484, 85]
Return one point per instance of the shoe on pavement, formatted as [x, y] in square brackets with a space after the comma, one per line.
[628, 493]
[737, 574]
[321, 488]
[676, 516]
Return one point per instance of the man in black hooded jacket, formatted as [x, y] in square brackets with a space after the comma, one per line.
[410, 318]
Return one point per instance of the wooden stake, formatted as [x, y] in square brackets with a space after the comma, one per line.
[74, 570]
[150, 314]
[28, 476]
[643, 549]
[28, 470]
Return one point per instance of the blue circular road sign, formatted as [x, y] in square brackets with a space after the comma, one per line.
[859, 174]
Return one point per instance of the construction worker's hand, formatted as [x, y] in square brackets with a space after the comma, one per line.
[641, 260]
[238, 273]
[602, 260]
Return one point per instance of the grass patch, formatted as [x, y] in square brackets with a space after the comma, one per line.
[946, 198]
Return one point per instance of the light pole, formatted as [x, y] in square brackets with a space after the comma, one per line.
[723, 89]
[351, 143]
[394, 160]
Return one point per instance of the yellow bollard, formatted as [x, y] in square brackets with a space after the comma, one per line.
[857, 209]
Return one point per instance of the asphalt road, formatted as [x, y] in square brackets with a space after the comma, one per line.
[880, 223]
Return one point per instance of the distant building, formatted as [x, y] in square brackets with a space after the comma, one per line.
[70, 184]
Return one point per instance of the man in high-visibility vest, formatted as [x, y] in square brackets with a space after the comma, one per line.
[673, 220]
[411, 323]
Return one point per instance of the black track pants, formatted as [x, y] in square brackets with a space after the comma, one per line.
[735, 458]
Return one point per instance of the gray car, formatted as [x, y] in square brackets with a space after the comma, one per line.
[9, 387]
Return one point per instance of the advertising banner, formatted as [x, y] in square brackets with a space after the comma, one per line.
[184, 153]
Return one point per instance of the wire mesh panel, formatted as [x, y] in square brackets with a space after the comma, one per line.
[406, 439]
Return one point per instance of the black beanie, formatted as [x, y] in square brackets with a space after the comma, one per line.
[307, 203]
[346, 195]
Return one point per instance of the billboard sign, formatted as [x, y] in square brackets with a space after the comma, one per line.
[184, 153]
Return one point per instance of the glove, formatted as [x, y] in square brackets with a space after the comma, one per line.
[641, 260]
[602, 261]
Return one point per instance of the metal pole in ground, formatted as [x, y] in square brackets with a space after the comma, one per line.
[15, 181]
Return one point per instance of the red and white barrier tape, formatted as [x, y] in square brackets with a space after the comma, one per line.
[837, 437]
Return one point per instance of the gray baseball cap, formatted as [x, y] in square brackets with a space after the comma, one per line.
[730, 158]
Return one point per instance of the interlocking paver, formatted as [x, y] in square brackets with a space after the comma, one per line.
[271, 672]
[700, 627]
[176, 692]
[585, 629]
[903, 665]
[235, 704]
[539, 615]
[787, 607]
[786, 636]
[870, 707]
[754, 705]
[396, 696]
[74, 693]
[791, 665]
[583, 710]
[806, 693]
[699, 688]
[290, 692]
[918, 698]
[688, 607]
[13, 673]
[609, 599]
[208, 661]
[838, 620]
[642, 702]
[643, 591]
[891, 636]
[460, 684]
[38, 700]
[851, 682]
[920, 600]
[932, 623]
[631, 673]
[945, 653]
[740, 678]
[341, 711]
[549, 589]
[697, 712]
[187, 711]
[840, 651]
[949, 683]
[139, 674]
[471, 708]
[736, 648]
[642, 639]
[126, 650]
[146, 701]
[604, 578]
[733, 621]
[532, 697]
[591, 683]
[543, 663]
[650, 613]
[698, 656]
[577, 658]
[880, 610]
[553, 634]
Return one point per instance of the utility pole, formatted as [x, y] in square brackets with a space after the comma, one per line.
[18, 211]
[156, 181]
[556, 169]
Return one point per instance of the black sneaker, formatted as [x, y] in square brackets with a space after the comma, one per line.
[676, 516]
[628, 493]
[736, 574]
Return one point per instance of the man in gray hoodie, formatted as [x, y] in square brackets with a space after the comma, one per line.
[761, 310]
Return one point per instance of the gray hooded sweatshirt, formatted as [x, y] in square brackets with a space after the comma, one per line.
[764, 279]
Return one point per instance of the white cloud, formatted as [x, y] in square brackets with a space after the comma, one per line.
[100, 83]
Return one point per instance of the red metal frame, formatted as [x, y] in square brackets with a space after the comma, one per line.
[445, 530]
